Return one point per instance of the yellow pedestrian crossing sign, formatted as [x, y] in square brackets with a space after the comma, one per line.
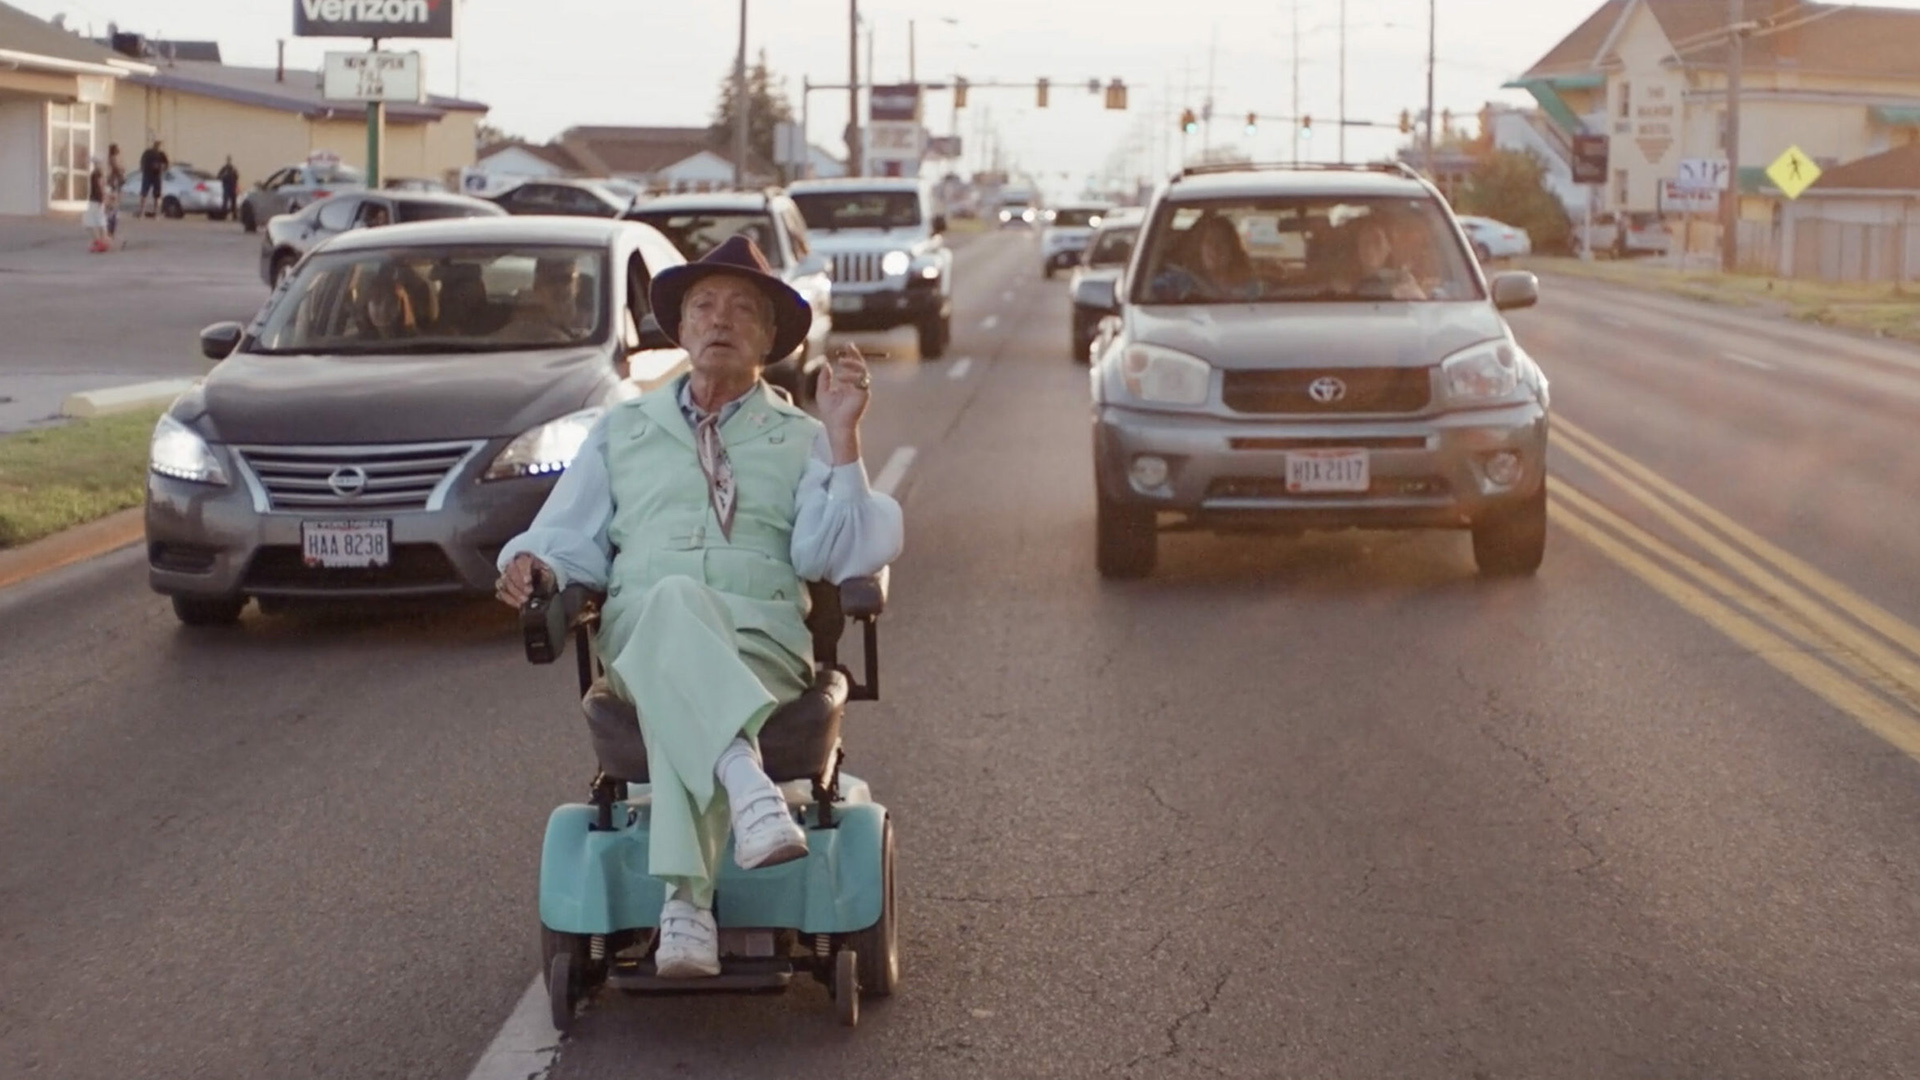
[1792, 171]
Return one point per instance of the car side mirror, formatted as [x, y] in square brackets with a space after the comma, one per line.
[652, 335]
[1102, 294]
[218, 341]
[939, 224]
[1515, 289]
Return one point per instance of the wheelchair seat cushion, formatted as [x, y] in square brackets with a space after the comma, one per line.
[797, 742]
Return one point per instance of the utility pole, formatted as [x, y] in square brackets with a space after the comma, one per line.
[1296, 82]
[1343, 81]
[1730, 200]
[1432, 51]
[1206, 122]
[853, 89]
[741, 105]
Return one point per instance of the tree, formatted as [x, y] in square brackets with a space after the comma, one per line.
[1511, 186]
[486, 134]
[767, 109]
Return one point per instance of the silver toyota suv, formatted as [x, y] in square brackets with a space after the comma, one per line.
[1301, 347]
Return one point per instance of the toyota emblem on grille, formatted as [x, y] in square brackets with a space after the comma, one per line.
[347, 481]
[1326, 389]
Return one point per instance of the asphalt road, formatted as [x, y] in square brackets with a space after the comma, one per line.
[76, 321]
[1328, 807]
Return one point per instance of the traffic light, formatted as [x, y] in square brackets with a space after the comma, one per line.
[1116, 95]
[959, 93]
[1040, 95]
[1189, 123]
[1253, 123]
[1406, 122]
[1306, 126]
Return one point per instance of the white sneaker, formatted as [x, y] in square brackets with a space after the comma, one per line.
[765, 834]
[689, 943]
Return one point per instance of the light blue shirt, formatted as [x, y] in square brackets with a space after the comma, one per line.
[842, 528]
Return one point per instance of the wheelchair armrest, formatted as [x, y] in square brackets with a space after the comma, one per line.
[865, 597]
[549, 615]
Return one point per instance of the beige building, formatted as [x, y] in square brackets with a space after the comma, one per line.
[267, 118]
[1839, 81]
[56, 91]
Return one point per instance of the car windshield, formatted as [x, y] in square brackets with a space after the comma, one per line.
[435, 211]
[1079, 218]
[1295, 249]
[1113, 246]
[859, 209]
[439, 299]
[699, 232]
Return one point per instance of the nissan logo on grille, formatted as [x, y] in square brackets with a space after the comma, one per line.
[347, 481]
[1326, 390]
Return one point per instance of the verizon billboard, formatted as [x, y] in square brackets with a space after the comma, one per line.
[373, 18]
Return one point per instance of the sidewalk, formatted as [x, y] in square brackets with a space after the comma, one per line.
[80, 321]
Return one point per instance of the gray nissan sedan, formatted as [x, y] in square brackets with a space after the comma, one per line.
[1301, 348]
[398, 410]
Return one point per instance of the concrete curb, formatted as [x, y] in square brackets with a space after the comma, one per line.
[124, 399]
[78, 544]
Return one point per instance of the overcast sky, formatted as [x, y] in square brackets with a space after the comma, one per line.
[543, 65]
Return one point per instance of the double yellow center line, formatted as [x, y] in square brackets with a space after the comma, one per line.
[1858, 657]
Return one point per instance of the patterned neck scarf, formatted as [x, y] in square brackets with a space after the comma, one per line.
[719, 469]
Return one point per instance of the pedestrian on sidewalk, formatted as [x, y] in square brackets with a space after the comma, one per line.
[153, 166]
[116, 188]
[229, 189]
[95, 218]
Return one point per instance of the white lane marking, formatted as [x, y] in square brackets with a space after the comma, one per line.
[960, 368]
[1615, 320]
[1748, 360]
[895, 470]
[526, 1044]
[989, 322]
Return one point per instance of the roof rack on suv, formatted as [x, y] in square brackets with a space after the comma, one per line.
[1397, 167]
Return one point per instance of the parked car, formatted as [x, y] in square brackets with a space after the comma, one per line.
[1065, 236]
[183, 190]
[1495, 239]
[1645, 233]
[398, 410]
[1316, 348]
[891, 263]
[290, 236]
[1104, 260]
[290, 189]
[570, 198]
[412, 183]
[696, 224]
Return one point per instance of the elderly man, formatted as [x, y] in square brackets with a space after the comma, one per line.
[702, 508]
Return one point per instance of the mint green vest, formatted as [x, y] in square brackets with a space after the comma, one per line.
[663, 523]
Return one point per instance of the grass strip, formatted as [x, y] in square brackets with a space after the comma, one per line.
[58, 477]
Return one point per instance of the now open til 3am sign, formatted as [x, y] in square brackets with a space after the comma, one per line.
[373, 76]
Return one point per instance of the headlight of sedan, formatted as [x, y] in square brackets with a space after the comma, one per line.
[1483, 373]
[1164, 376]
[179, 452]
[895, 263]
[545, 450]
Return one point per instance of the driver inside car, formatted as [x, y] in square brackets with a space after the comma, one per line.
[701, 508]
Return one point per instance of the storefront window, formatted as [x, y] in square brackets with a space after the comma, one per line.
[70, 152]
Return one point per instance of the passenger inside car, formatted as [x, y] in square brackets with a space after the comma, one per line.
[392, 301]
[1211, 264]
[1373, 271]
[552, 312]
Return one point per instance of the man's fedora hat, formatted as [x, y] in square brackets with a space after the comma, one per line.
[741, 257]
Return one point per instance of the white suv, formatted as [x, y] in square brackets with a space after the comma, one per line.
[891, 263]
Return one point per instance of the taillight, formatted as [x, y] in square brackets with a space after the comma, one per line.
[200, 187]
[321, 194]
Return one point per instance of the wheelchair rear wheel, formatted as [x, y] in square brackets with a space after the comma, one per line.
[878, 946]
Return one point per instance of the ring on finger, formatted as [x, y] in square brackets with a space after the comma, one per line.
[864, 382]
